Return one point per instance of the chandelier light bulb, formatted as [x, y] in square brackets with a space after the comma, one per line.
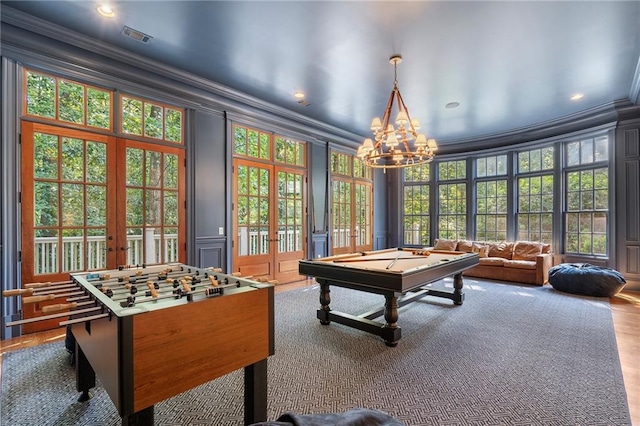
[376, 124]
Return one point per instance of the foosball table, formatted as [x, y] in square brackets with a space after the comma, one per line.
[150, 333]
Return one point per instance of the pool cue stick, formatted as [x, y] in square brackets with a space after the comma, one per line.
[364, 260]
[393, 262]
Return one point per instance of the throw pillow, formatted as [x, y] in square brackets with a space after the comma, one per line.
[465, 246]
[502, 250]
[443, 244]
[526, 250]
[482, 250]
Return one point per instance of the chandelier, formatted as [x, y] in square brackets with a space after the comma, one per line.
[399, 146]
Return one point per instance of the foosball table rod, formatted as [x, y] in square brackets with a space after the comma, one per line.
[53, 316]
[83, 319]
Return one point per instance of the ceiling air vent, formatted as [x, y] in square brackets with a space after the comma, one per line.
[136, 35]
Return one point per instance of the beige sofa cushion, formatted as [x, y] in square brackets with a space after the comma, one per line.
[443, 244]
[503, 250]
[465, 246]
[520, 264]
[492, 261]
[482, 250]
[526, 250]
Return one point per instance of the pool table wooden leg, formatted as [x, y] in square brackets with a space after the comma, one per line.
[391, 332]
[325, 300]
[458, 295]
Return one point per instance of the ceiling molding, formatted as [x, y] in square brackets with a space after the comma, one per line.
[603, 114]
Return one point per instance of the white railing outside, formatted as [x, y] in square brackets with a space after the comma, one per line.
[47, 252]
[254, 242]
[341, 237]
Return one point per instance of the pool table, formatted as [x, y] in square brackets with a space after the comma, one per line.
[401, 275]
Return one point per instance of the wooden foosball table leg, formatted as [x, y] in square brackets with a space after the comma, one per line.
[85, 376]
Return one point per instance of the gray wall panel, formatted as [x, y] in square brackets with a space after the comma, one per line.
[210, 183]
[211, 253]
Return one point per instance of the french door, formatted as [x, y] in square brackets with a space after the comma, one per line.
[94, 202]
[269, 220]
[352, 216]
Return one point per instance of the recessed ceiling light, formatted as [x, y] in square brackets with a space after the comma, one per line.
[577, 96]
[452, 105]
[299, 94]
[106, 11]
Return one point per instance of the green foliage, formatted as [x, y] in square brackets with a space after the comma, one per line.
[98, 108]
[153, 120]
[71, 102]
[41, 95]
[131, 116]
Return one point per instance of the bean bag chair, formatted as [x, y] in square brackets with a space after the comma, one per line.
[355, 417]
[586, 279]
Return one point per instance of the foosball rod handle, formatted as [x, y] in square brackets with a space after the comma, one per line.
[58, 307]
[36, 299]
[17, 292]
[38, 285]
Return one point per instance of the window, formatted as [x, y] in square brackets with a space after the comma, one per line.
[491, 198]
[151, 120]
[416, 191]
[351, 204]
[67, 101]
[452, 199]
[587, 196]
[535, 195]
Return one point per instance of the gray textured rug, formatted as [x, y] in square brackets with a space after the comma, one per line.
[513, 355]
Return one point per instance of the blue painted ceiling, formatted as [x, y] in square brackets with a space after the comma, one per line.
[509, 64]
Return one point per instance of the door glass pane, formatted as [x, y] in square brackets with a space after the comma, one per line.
[45, 161]
[341, 214]
[72, 205]
[289, 212]
[170, 244]
[72, 159]
[96, 162]
[96, 205]
[73, 250]
[152, 204]
[46, 251]
[96, 248]
[134, 246]
[252, 214]
[134, 166]
[153, 169]
[46, 205]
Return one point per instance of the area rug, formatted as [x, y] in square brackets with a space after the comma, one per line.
[510, 355]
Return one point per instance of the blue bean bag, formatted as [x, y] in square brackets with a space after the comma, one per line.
[586, 279]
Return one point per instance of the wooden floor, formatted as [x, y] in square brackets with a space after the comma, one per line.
[626, 318]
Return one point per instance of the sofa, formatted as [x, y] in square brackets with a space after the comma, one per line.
[519, 261]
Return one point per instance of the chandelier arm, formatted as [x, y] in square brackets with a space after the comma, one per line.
[387, 111]
[406, 110]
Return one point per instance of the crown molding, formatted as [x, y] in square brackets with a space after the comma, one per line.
[590, 118]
